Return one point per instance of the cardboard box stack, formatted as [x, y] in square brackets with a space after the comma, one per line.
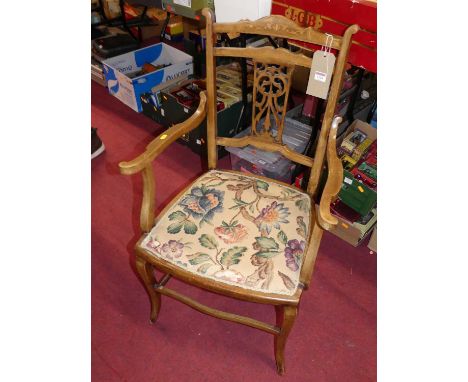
[355, 207]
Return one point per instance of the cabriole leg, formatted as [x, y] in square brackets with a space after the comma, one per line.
[145, 270]
[285, 317]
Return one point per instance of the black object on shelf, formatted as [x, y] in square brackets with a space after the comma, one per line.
[113, 45]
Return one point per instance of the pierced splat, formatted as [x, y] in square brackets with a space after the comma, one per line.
[271, 91]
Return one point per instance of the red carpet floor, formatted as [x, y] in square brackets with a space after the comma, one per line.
[334, 337]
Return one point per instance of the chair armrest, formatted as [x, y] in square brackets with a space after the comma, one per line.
[163, 140]
[335, 179]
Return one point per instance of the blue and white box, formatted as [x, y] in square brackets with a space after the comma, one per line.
[128, 89]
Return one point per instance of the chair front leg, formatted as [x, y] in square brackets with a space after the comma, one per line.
[145, 270]
[285, 317]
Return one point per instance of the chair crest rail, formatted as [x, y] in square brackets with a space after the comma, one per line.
[277, 26]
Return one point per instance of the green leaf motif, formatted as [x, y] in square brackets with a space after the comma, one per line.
[208, 241]
[266, 243]
[232, 256]
[177, 215]
[239, 203]
[303, 205]
[198, 258]
[204, 267]
[302, 229]
[262, 185]
[282, 237]
[190, 228]
[267, 254]
[175, 227]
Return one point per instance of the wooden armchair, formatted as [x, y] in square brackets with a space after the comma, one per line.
[239, 235]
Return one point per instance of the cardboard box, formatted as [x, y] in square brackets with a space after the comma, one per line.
[372, 245]
[354, 233]
[117, 71]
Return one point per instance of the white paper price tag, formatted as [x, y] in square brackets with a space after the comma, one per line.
[320, 74]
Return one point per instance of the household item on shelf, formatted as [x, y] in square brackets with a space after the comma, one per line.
[236, 234]
[187, 8]
[97, 74]
[113, 45]
[176, 65]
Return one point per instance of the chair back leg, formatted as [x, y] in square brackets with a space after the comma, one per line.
[146, 272]
[285, 317]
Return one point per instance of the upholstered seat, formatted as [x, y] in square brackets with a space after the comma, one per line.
[236, 229]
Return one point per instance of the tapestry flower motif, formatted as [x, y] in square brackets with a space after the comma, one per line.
[272, 216]
[293, 252]
[202, 203]
[231, 233]
[172, 249]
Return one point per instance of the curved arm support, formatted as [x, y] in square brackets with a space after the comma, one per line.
[334, 180]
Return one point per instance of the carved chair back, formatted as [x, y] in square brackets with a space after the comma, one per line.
[273, 69]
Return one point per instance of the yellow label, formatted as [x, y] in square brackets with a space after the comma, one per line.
[360, 189]
[345, 225]
[164, 136]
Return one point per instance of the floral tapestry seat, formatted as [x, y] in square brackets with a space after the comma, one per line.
[237, 229]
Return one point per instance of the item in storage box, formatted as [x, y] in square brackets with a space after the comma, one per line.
[348, 162]
[352, 141]
[195, 87]
[356, 194]
[364, 178]
[227, 99]
[184, 97]
[368, 170]
[231, 90]
[371, 156]
[367, 222]
[362, 148]
[344, 211]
